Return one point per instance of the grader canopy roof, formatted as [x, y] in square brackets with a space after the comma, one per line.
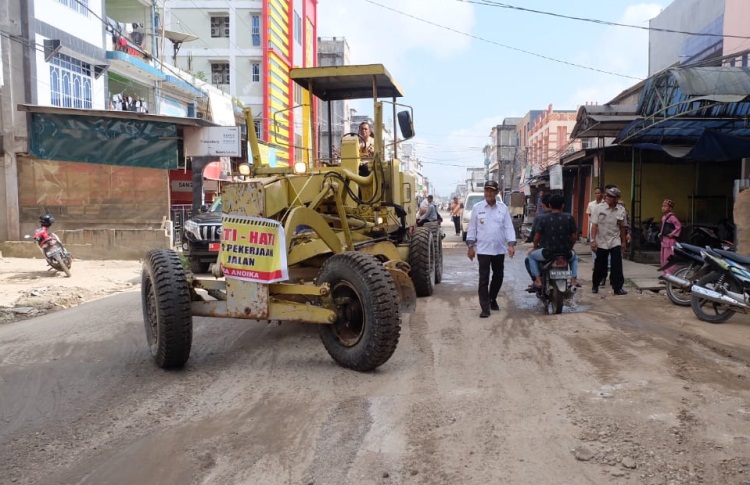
[347, 82]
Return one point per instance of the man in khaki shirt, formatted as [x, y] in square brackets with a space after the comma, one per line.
[609, 240]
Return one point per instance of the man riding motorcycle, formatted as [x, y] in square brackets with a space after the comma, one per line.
[556, 234]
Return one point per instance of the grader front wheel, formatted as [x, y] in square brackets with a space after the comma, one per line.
[165, 298]
[367, 329]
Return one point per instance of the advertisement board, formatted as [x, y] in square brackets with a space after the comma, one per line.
[220, 141]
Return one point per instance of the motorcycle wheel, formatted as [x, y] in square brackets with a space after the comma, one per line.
[711, 311]
[61, 263]
[681, 296]
[556, 298]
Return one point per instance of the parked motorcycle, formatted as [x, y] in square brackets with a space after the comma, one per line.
[649, 234]
[555, 288]
[51, 247]
[719, 235]
[725, 290]
[692, 267]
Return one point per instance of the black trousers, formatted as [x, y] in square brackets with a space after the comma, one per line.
[457, 223]
[488, 290]
[614, 256]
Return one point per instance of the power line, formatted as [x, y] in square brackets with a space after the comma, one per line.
[597, 21]
[517, 49]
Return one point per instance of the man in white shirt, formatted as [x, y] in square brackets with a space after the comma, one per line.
[598, 199]
[490, 236]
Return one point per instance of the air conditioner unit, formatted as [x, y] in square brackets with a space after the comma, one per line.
[218, 79]
[226, 20]
[226, 32]
[214, 32]
[215, 66]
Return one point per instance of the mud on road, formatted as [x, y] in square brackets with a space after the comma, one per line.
[615, 390]
[30, 288]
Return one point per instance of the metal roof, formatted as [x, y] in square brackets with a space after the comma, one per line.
[701, 113]
[347, 82]
[594, 121]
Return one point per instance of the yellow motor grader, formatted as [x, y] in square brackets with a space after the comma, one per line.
[329, 240]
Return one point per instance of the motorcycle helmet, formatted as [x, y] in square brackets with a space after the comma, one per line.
[46, 220]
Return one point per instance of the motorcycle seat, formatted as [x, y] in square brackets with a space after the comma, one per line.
[552, 257]
[738, 258]
[692, 248]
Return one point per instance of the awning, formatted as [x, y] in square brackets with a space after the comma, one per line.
[182, 87]
[594, 121]
[698, 113]
[133, 67]
[106, 137]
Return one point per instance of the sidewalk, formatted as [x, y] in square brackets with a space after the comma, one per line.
[639, 275]
[644, 277]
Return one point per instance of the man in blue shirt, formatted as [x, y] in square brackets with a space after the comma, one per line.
[490, 236]
[556, 233]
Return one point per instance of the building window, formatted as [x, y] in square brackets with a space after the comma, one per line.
[220, 27]
[256, 124]
[256, 72]
[297, 28]
[220, 73]
[70, 82]
[297, 94]
[256, 30]
[80, 6]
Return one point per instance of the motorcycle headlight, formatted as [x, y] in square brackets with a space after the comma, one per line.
[193, 228]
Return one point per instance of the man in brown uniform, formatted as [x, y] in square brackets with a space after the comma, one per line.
[608, 240]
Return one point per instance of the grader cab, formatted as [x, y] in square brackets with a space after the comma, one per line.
[331, 239]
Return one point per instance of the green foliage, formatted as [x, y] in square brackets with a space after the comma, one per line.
[200, 75]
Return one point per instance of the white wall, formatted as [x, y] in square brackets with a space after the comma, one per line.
[85, 27]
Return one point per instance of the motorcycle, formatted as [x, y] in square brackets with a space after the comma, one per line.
[51, 247]
[692, 268]
[725, 290]
[716, 236]
[649, 234]
[555, 287]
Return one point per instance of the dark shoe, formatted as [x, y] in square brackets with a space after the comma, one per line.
[620, 292]
[494, 306]
[484, 314]
[595, 290]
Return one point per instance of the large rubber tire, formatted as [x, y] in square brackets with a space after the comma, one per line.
[422, 261]
[165, 299]
[197, 267]
[61, 263]
[681, 296]
[556, 299]
[368, 327]
[709, 311]
[438, 252]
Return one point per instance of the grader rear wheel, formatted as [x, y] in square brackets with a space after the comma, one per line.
[165, 298]
[422, 261]
[366, 332]
[438, 251]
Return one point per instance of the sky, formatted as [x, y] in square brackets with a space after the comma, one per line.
[465, 65]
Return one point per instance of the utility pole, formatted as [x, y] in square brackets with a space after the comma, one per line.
[11, 93]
